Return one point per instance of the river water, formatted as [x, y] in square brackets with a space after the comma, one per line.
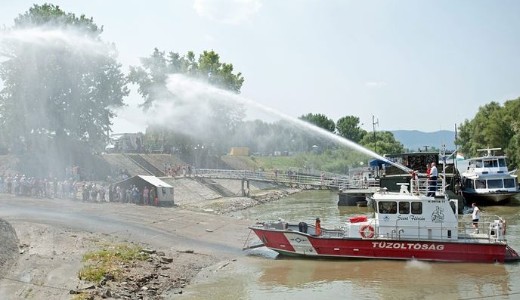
[260, 274]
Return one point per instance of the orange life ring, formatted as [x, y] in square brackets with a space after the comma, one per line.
[367, 231]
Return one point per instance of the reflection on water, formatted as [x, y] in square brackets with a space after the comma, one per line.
[264, 275]
[386, 279]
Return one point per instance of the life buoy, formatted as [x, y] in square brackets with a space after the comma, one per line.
[367, 231]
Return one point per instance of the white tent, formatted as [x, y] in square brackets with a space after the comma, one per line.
[164, 190]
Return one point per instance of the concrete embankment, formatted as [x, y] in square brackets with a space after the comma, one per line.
[194, 195]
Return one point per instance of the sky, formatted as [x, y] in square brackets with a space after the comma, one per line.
[405, 65]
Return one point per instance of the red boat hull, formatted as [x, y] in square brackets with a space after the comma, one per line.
[300, 244]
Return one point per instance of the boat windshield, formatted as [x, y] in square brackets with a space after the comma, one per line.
[493, 163]
[502, 162]
[509, 183]
[405, 207]
[480, 184]
[495, 184]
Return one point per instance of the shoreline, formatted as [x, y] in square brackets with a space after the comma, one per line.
[196, 236]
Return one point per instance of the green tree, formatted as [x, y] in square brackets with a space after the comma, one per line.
[320, 120]
[512, 122]
[210, 119]
[61, 84]
[348, 127]
[318, 142]
[383, 142]
[151, 77]
[494, 126]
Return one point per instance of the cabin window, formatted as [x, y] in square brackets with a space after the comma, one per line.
[509, 183]
[502, 162]
[469, 183]
[417, 208]
[404, 207]
[480, 184]
[495, 184]
[488, 163]
[452, 205]
[478, 164]
[387, 207]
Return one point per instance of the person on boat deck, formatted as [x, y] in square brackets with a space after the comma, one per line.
[428, 169]
[318, 226]
[433, 180]
[475, 216]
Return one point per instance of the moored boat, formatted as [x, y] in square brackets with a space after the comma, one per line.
[406, 225]
[487, 179]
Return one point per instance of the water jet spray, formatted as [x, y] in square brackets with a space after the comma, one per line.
[190, 89]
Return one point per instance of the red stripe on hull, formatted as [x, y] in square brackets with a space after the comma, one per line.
[276, 240]
[384, 249]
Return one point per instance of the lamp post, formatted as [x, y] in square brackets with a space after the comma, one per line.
[374, 123]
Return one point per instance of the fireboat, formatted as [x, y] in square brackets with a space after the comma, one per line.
[412, 223]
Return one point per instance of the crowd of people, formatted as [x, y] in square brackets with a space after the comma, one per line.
[22, 185]
[177, 170]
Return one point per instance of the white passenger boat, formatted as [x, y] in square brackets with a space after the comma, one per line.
[487, 179]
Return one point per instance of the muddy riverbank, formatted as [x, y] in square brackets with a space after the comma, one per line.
[52, 236]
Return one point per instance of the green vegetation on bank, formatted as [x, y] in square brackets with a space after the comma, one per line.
[108, 262]
[335, 161]
[494, 126]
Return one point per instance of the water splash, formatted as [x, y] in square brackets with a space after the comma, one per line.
[197, 95]
[416, 264]
[35, 53]
[52, 38]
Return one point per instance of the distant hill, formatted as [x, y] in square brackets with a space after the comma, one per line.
[414, 139]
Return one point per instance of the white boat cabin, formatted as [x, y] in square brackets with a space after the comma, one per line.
[414, 216]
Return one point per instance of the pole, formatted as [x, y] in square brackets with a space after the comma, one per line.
[374, 122]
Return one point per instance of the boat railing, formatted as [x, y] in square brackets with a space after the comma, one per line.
[421, 186]
[492, 228]
[359, 184]
[489, 227]
[427, 231]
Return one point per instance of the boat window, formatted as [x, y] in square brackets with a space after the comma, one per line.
[480, 184]
[509, 183]
[478, 164]
[452, 205]
[495, 184]
[488, 163]
[387, 207]
[502, 162]
[404, 207]
[469, 183]
[417, 208]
